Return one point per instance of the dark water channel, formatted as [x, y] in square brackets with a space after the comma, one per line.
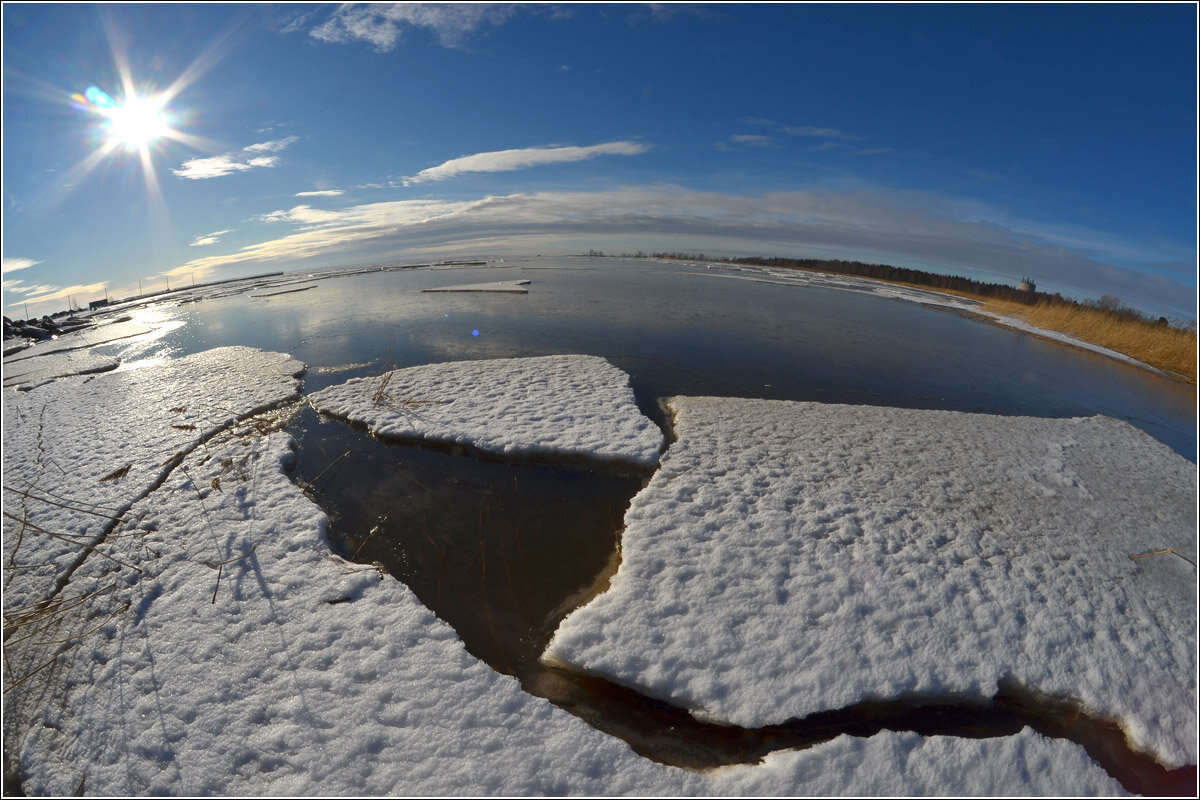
[503, 550]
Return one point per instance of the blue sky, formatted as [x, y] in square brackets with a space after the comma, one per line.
[1056, 141]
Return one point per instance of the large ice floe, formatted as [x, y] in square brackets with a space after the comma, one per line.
[175, 622]
[788, 558]
[569, 406]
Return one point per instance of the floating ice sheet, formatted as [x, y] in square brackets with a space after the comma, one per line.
[572, 406]
[793, 557]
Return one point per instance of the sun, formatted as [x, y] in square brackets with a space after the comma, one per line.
[133, 122]
[137, 122]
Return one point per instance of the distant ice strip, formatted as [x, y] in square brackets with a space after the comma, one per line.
[793, 557]
[221, 649]
[514, 287]
[572, 405]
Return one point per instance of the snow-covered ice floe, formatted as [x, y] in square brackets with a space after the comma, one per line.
[512, 287]
[79, 450]
[789, 558]
[212, 644]
[568, 406]
[30, 372]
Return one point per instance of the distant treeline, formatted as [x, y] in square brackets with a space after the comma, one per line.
[954, 283]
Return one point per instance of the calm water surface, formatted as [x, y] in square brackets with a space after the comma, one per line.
[679, 329]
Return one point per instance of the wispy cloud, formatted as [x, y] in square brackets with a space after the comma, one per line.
[911, 228]
[382, 25]
[740, 140]
[33, 295]
[507, 160]
[239, 161]
[209, 238]
[272, 146]
[303, 215]
[14, 264]
[805, 130]
[322, 193]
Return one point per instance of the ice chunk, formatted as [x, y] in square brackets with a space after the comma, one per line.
[572, 406]
[793, 557]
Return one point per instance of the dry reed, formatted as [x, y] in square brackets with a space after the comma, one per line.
[1162, 346]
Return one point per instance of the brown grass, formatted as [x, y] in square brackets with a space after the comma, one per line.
[1162, 346]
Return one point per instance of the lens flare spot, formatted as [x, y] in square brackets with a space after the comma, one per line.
[98, 97]
[475, 332]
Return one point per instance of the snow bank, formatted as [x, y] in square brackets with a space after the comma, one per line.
[514, 287]
[574, 406]
[793, 557]
[78, 450]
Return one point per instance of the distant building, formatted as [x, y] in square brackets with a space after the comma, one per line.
[92, 306]
[1027, 285]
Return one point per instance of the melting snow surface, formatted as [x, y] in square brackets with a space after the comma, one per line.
[788, 558]
[574, 406]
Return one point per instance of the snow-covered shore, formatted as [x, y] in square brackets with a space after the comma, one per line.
[210, 643]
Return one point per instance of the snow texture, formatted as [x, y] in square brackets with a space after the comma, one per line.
[568, 406]
[512, 287]
[29, 372]
[220, 648]
[79, 450]
[793, 557]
